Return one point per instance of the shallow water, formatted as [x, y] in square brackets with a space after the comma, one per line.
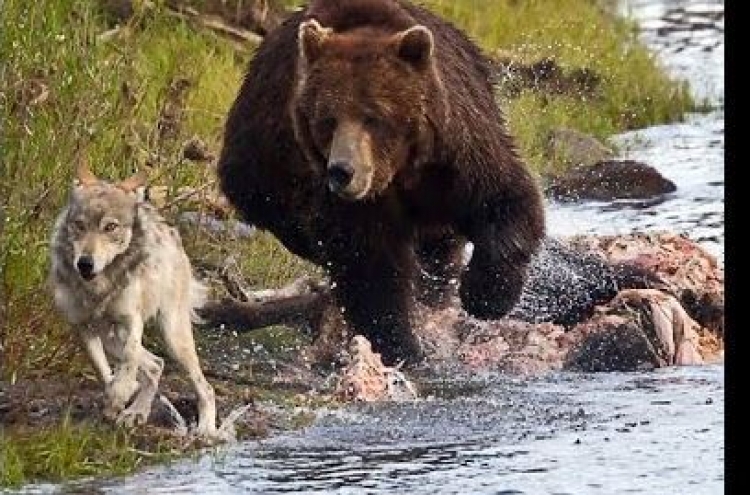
[658, 432]
[651, 433]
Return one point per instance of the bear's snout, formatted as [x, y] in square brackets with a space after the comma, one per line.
[340, 175]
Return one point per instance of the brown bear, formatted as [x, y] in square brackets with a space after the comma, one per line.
[367, 138]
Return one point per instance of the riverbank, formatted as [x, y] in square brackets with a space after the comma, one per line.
[134, 95]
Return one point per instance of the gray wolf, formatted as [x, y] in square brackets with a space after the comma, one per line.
[116, 265]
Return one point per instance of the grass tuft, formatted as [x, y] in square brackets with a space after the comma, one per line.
[69, 449]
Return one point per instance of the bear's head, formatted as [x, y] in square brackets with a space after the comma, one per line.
[360, 110]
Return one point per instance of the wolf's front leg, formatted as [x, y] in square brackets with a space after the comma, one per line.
[149, 372]
[92, 344]
[178, 337]
[126, 346]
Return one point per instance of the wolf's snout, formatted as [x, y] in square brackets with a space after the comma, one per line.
[85, 266]
[340, 175]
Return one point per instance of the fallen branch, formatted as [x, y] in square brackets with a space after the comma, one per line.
[301, 302]
[204, 197]
[257, 16]
[545, 75]
[216, 24]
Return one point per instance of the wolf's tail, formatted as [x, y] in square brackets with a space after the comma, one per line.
[198, 298]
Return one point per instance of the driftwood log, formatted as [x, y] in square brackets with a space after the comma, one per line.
[256, 16]
[301, 303]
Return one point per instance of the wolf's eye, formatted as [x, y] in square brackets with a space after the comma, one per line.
[79, 226]
[110, 226]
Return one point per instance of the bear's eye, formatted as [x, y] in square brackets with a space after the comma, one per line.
[374, 122]
[371, 121]
[327, 125]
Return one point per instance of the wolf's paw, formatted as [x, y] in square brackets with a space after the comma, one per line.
[214, 436]
[111, 411]
[135, 415]
[226, 433]
[117, 394]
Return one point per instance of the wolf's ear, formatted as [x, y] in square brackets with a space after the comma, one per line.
[311, 38]
[84, 175]
[135, 183]
[415, 45]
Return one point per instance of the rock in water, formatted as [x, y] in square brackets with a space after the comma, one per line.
[610, 180]
[574, 148]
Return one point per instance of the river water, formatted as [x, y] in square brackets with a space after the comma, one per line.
[636, 433]
[659, 432]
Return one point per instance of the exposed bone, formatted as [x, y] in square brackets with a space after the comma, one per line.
[365, 378]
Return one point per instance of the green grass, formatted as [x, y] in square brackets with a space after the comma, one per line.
[63, 89]
[69, 450]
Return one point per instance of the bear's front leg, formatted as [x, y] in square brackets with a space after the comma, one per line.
[376, 294]
[440, 254]
[505, 233]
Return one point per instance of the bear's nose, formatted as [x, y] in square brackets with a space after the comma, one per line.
[85, 267]
[340, 175]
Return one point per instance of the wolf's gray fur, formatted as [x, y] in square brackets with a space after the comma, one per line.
[115, 265]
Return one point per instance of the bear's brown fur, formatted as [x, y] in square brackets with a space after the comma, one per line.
[367, 138]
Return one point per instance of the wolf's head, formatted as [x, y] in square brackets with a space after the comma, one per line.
[100, 220]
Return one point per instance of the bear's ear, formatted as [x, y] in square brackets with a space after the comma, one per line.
[415, 45]
[312, 36]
